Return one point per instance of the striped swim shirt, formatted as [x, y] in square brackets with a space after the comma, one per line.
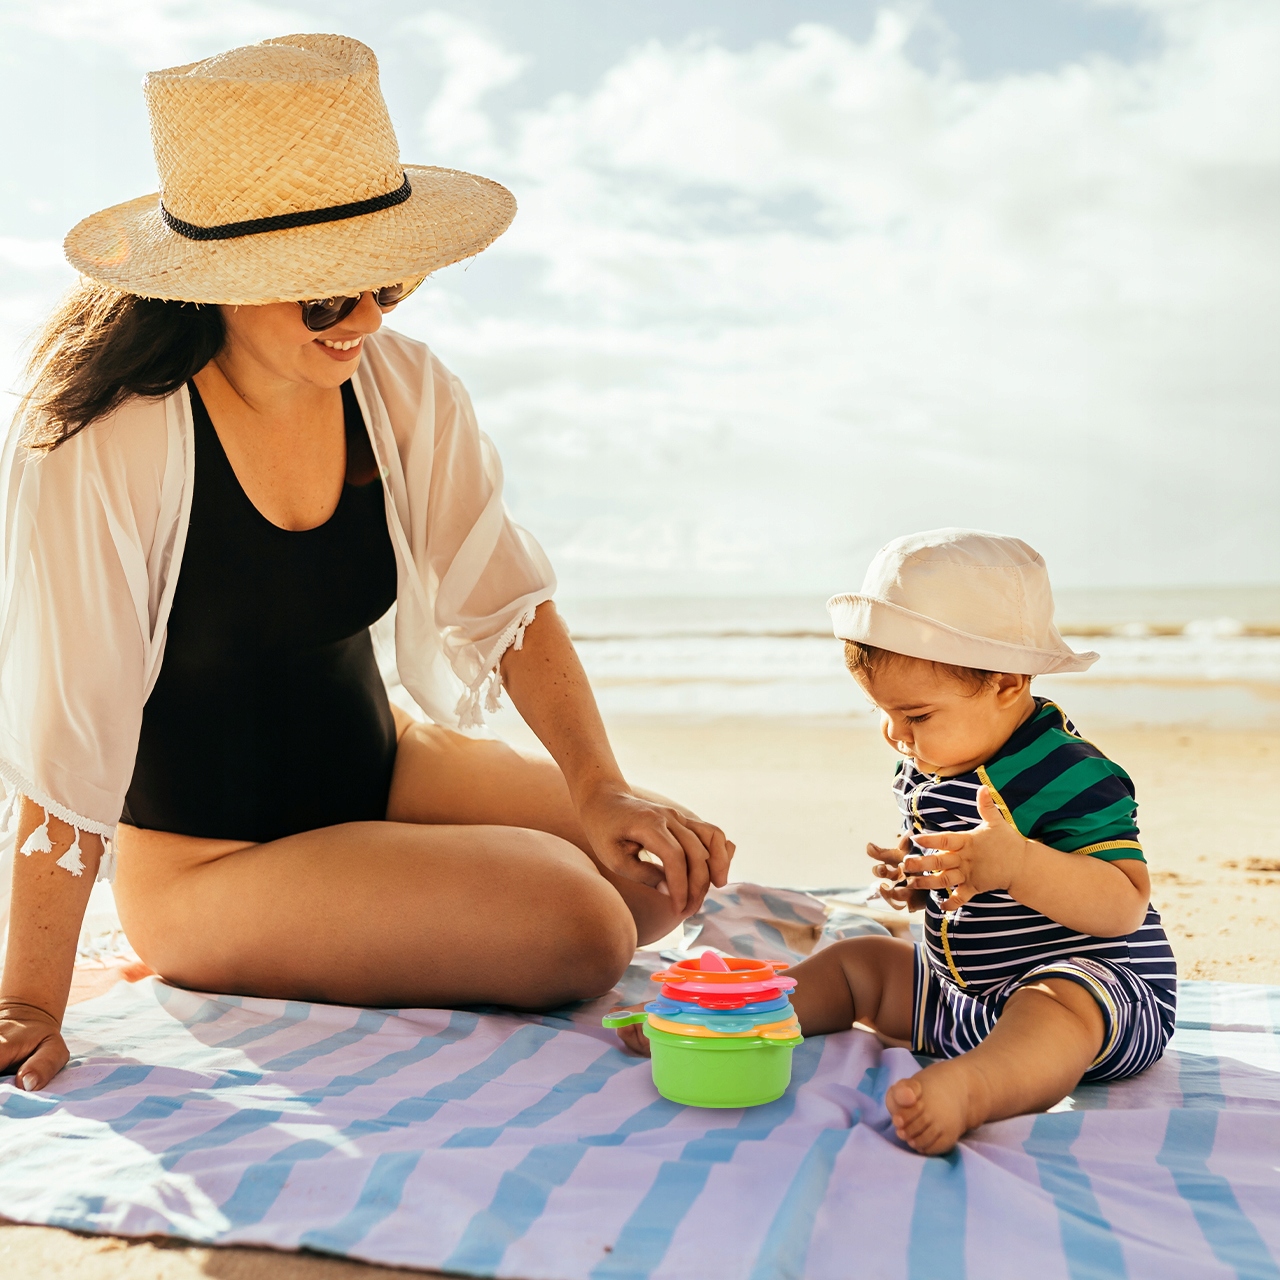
[1058, 789]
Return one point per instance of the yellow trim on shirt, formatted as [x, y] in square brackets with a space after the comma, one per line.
[946, 951]
[922, 1003]
[1109, 844]
[997, 797]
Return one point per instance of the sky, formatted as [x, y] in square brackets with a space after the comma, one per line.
[791, 279]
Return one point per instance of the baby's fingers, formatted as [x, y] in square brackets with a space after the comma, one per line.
[925, 863]
[896, 896]
[952, 840]
[888, 856]
[959, 896]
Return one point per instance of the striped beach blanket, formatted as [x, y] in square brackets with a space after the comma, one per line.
[493, 1144]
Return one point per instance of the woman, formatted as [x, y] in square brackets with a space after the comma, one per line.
[207, 509]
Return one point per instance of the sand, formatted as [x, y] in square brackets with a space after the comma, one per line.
[801, 801]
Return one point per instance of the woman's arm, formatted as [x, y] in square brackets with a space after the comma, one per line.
[549, 687]
[44, 926]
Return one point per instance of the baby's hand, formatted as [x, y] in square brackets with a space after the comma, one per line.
[968, 862]
[632, 1035]
[889, 869]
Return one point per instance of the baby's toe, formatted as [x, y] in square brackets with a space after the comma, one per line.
[904, 1100]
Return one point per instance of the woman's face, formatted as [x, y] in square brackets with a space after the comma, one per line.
[274, 338]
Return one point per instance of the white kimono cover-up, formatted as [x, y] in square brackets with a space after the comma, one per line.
[91, 548]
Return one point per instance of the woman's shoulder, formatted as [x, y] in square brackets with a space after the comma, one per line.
[405, 371]
[389, 355]
[131, 431]
[123, 456]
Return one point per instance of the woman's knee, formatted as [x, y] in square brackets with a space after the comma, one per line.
[591, 934]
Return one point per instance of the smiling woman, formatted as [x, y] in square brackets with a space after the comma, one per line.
[225, 472]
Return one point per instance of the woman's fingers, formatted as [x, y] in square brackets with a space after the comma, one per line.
[38, 1051]
[720, 850]
[660, 842]
[697, 864]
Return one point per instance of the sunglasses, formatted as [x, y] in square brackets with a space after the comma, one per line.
[324, 313]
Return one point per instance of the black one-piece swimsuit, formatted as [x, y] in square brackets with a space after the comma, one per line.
[269, 715]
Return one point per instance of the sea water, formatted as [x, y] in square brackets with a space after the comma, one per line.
[1208, 657]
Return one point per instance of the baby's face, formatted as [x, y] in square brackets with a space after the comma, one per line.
[939, 721]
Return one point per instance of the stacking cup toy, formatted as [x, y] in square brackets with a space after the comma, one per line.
[721, 1033]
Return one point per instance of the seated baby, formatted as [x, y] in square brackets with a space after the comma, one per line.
[1043, 962]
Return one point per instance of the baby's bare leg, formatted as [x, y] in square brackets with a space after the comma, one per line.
[1043, 1042]
[864, 980]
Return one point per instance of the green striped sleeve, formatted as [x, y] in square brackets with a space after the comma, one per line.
[1078, 778]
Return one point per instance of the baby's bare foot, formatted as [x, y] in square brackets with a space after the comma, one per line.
[935, 1108]
[635, 1039]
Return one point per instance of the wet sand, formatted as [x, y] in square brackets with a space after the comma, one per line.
[802, 801]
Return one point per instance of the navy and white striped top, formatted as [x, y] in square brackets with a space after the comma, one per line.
[1056, 788]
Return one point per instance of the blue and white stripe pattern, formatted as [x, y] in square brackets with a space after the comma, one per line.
[984, 947]
[492, 1144]
[1135, 1031]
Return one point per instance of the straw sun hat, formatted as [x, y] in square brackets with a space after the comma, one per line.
[280, 180]
[961, 596]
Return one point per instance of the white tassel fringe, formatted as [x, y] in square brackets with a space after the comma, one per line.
[38, 841]
[71, 860]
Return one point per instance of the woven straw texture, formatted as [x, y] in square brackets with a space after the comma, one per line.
[287, 126]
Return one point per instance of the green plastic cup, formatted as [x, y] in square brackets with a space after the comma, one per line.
[720, 1071]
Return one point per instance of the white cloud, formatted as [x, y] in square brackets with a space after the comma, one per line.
[790, 301]
[156, 33]
[31, 255]
[472, 66]
[763, 309]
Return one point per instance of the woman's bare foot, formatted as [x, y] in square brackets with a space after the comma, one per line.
[932, 1110]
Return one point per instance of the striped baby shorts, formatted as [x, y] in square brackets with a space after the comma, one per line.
[947, 1021]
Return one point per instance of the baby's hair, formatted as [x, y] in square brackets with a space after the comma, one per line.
[865, 659]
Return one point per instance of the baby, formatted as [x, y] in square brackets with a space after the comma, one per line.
[1043, 962]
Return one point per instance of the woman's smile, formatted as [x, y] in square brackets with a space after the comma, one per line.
[341, 348]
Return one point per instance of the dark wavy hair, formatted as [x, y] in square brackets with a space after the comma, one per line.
[102, 346]
[863, 660]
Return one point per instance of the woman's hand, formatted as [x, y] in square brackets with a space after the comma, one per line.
[889, 870]
[31, 1041]
[693, 854]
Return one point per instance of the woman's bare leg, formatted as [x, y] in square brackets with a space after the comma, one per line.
[446, 777]
[480, 886]
[1042, 1043]
[377, 913]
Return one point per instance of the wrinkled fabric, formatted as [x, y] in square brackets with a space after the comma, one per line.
[91, 548]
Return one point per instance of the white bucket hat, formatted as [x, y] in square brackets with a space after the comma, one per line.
[959, 596]
[280, 180]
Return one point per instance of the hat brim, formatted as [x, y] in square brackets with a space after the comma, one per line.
[451, 215]
[876, 622]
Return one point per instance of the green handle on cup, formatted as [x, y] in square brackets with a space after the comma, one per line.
[623, 1018]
